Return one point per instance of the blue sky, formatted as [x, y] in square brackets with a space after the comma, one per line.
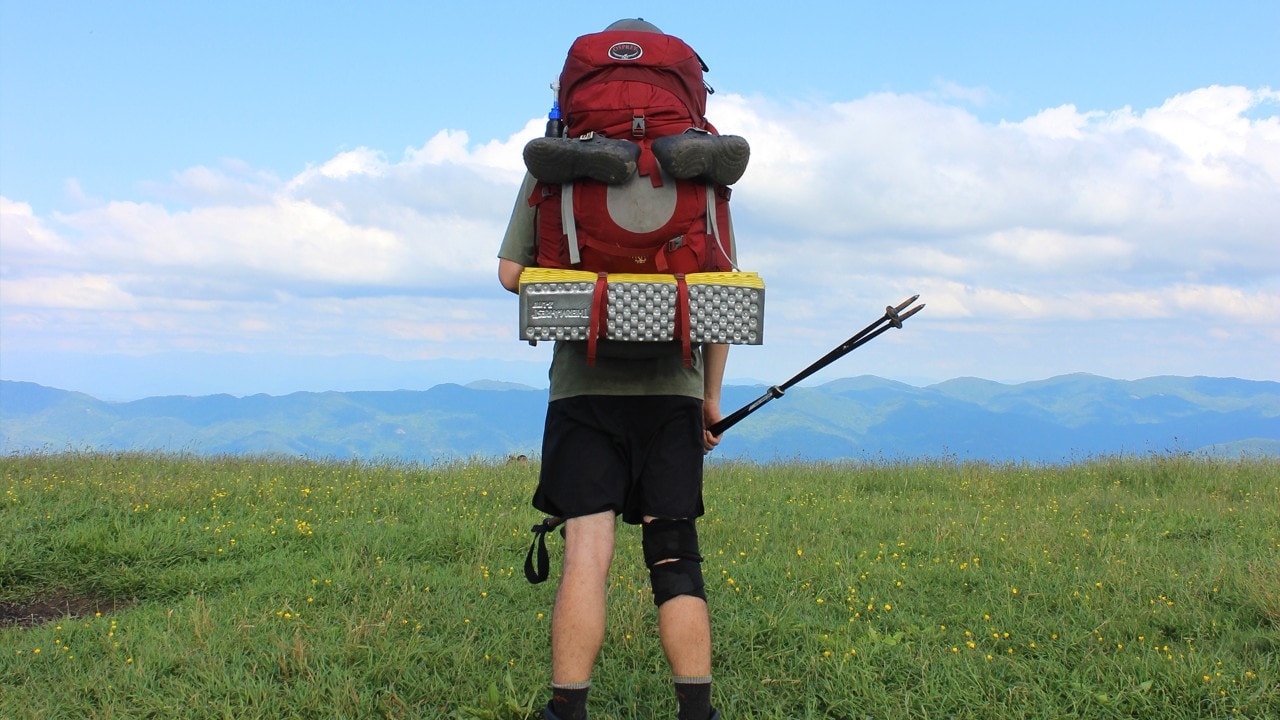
[267, 197]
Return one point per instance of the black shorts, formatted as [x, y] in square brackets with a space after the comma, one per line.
[635, 455]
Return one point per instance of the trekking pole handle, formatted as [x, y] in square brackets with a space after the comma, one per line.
[737, 415]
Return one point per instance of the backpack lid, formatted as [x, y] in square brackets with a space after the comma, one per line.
[657, 59]
[641, 25]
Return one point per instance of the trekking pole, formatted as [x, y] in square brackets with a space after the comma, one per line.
[893, 318]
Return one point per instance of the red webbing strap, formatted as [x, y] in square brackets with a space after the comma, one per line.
[647, 165]
[599, 315]
[660, 259]
[682, 328]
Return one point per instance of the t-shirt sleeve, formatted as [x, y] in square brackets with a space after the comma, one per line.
[519, 244]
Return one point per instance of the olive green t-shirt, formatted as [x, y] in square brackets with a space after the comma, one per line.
[663, 374]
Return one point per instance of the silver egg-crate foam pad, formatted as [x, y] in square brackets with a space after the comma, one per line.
[724, 307]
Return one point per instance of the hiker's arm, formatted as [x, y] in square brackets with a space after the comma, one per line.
[714, 358]
[509, 274]
[519, 243]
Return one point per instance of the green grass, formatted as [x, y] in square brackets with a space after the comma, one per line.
[263, 588]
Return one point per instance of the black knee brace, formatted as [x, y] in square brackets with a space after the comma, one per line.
[676, 543]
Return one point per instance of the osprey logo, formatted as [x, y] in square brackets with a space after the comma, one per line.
[626, 51]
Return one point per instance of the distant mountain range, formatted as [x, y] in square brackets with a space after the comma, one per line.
[1065, 418]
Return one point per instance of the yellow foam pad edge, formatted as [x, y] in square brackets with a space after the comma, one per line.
[532, 276]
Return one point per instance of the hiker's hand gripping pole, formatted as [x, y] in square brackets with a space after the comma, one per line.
[893, 317]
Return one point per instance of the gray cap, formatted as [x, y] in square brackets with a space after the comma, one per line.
[636, 24]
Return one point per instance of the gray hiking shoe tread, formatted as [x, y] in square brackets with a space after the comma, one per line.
[721, 159]
[562, 160]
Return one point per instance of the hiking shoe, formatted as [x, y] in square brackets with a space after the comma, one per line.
[562, 160]
[720, 159]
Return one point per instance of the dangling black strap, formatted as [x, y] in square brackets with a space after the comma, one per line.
[537, 572]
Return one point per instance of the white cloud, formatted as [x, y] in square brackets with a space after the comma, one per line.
[232, 183]
[1068, 216]
[79, 291]
[901, 164]
[1060, 123]
[495, 159]
[1049, 251]
[286, 240]
[1194, 303]
[361, 161]
[25, 238]
[1210, 126]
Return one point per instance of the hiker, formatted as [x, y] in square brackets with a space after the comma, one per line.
[625, 426]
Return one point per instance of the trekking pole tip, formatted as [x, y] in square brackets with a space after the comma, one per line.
[903, 305]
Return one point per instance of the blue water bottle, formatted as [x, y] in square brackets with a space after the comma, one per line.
[555, 127]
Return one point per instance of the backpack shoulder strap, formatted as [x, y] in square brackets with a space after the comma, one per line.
[713, 227]
[567, 222]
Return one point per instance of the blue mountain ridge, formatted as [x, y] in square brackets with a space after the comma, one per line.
[1059, 419]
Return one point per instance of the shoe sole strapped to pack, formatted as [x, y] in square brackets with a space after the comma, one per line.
[562, 160]
[723, 307]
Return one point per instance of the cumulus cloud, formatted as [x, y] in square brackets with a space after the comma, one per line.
[1058, 202]
[1071, 215]
[903, 164]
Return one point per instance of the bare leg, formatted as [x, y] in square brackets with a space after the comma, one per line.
[578, 620]
[685, 629]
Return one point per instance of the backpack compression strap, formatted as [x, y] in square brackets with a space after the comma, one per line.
[599, 315]
[682, 329]
[599, 323]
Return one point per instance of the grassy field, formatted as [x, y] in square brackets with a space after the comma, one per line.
[141, 586]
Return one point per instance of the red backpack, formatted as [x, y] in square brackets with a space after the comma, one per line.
[637, 86]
